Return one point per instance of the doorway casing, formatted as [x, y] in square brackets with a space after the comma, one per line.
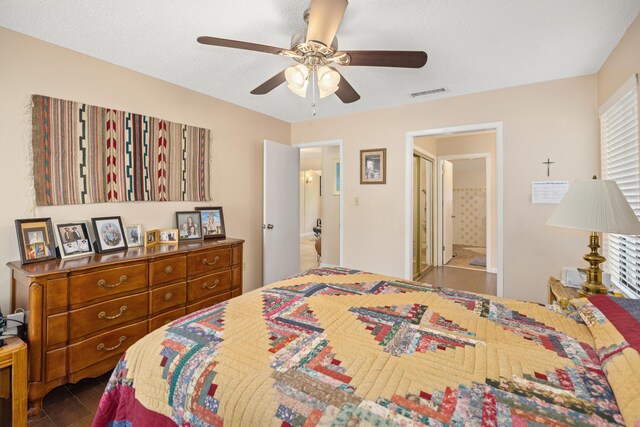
[333, 143]
[409, 148]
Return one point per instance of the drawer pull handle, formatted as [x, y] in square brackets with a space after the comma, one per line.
[206, 262]
[168, 269]
[206, 286]
[103, 283]
[102, 347]
[168, 296]
[103, 315]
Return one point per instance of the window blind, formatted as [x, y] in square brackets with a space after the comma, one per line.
[621, 163]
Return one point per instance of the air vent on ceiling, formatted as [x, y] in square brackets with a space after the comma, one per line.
[428, 92]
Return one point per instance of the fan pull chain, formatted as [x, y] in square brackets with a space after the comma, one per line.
[314, 83]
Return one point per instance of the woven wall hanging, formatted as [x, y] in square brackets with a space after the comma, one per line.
[87, 154]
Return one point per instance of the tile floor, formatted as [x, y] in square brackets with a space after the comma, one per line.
[72, 404]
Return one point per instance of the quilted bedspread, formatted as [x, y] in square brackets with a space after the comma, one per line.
[344, 347]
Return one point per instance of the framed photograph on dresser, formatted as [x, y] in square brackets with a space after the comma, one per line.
[35, 239]
[212, 222]
[134, 235]
[109, 234]
[189, 225]
[73, 239]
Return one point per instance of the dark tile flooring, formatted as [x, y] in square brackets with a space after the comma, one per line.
[72, 404]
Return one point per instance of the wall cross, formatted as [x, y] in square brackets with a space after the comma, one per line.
[548, 163]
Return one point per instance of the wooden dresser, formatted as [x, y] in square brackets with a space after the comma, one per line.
[83, 313]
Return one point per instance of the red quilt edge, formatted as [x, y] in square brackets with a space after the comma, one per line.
[119, 405]
[624, 322]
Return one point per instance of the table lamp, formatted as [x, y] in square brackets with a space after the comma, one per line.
[597, 206]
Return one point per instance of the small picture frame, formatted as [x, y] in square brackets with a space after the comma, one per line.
[134, 235]
[109, 234]
[151, 238]
[189, 225]
[73, 239]
[212, 220]
[35, 239]
[373, 166]
[168, 236]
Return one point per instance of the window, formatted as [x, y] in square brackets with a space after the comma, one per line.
[621, 163]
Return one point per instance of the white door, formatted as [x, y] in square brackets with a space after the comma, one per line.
[281, 216]
[447, 211]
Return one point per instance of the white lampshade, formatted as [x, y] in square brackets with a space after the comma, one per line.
[297, 79]
[596, 205]
[328, 80]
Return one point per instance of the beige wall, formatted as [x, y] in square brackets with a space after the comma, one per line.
[622, 62]
[469, 173]
[29, 66]
[555, 119]
[330, 208]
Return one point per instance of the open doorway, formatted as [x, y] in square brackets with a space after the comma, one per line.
[320, 204]
[468, 212]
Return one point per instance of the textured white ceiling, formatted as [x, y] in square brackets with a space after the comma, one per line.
[473, 45]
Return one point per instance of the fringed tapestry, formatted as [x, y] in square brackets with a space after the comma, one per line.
[87, 154]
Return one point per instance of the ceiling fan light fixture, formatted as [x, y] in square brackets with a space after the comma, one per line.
[328, 80]
[298, 79]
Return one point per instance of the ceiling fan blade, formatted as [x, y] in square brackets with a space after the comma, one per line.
[387, 58]
[325, 17]
[235, 44]
[345, 92]
[270, 84]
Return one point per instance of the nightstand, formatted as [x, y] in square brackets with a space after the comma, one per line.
[13, 378]
[561, 293]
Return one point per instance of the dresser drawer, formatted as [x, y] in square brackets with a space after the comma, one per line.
[165, 318]
[208, 261]
[108, 314]
[107, 282]
[208, 286]
[167, 297]
[208, 302]
[104, 346]
[167, 270]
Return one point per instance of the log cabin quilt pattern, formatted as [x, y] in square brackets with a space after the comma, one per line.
[88, 154]
[335, 346]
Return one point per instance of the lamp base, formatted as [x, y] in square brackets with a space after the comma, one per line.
[593, 285]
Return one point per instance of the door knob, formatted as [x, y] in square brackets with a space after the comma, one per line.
[269, 226]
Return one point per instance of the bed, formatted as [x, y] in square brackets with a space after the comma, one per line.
[334, 346]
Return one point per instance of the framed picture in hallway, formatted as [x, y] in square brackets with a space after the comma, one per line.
[373, 166]
[336, 177]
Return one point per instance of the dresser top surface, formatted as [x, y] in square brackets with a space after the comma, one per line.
[56, 266]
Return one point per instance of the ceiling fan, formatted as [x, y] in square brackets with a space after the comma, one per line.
[315, 48]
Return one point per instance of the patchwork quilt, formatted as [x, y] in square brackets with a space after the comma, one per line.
[344, 347]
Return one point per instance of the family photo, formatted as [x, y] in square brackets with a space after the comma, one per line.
[109, 234]
[189, 225]
[74, 239]
[36, 240]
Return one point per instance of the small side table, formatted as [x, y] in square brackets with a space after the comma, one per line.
[561, 293]
[13, 378]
